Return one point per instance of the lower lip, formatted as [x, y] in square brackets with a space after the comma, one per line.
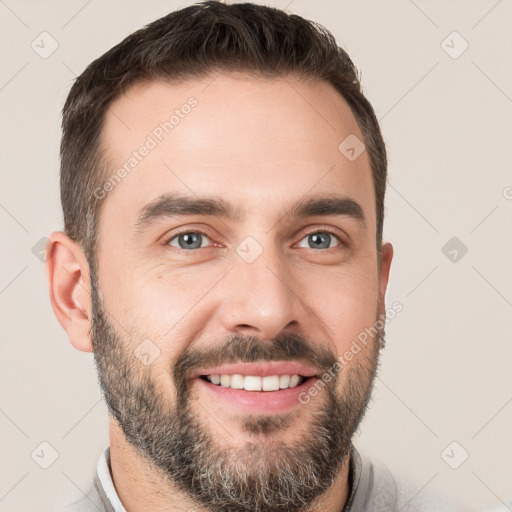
[261, 402]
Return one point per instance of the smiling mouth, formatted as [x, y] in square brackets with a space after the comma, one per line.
[254, 382]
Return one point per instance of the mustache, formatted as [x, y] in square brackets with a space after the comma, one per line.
[250, 349]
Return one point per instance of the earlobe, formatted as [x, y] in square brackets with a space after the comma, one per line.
[386, 256]
[67, 271]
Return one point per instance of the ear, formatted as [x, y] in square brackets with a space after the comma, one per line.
[67, 271]
[385, 257]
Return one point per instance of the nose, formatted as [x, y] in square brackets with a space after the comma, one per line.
[260, 299]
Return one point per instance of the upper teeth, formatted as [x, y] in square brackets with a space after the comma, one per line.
[255, 383]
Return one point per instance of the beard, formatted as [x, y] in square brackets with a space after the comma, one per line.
[264, 474]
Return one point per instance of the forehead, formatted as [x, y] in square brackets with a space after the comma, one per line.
[257, 142]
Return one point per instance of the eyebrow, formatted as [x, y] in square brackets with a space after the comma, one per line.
[176, 205]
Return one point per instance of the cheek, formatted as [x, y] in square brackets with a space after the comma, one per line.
[345, 301]
[167, 307]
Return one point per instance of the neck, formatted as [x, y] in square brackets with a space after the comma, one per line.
[140, 486]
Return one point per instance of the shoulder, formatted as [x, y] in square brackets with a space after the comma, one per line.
[95, 498]
[504, 507]
[378, 489]
[415, 496]
[90, 501]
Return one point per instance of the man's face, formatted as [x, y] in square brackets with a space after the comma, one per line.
[266, 299]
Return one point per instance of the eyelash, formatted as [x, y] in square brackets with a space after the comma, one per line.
[201, 232]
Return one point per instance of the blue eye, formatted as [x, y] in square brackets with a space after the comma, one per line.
[188, 240]
[320, 240]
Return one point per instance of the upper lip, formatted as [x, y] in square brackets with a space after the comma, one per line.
[260, 369]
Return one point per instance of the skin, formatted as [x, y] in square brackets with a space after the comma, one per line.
[261, 144]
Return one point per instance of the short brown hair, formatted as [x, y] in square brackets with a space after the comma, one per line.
[193, 42]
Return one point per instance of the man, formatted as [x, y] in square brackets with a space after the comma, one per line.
[222, 183]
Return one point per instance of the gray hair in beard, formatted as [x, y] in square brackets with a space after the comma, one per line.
[261, 476]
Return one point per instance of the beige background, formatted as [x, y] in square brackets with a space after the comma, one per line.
[447, 122]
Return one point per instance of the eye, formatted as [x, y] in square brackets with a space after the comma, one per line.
[320, 240]
[188, 240]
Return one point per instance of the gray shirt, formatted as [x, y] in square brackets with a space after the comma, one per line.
[372, 489]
